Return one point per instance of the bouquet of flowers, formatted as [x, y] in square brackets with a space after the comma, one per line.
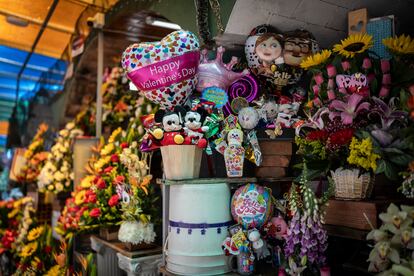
[57, 175]
[35, 156]
[354, 111]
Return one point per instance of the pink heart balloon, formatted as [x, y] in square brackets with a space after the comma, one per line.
[165, 71]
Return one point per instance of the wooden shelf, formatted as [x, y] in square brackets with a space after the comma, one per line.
[235, 180]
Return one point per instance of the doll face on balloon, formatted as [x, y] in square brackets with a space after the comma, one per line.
[268, 48]
[295, 50]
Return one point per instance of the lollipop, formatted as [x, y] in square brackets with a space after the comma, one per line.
[246, 88]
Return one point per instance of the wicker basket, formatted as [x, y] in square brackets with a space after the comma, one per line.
[349, 184]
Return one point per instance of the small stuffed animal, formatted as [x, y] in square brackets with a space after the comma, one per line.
[172, 126]
[193, 127]
[248, 118]
[270, 109]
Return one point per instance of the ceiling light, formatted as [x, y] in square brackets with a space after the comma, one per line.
[162, 23]
[17, 21]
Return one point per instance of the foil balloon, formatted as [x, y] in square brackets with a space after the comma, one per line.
[166, 71]
[251, 206]
[246, 88]
[215, 72]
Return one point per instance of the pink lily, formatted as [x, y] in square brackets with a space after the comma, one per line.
[348, 110]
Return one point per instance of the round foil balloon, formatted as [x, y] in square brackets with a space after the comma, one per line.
[165, 71]
[251, 206]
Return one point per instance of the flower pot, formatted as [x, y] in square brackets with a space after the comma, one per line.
[109, 233]
[351, 184]
[181, 161]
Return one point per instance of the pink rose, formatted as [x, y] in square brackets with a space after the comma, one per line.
[315, 89]
[345, 65]
[386, 79]
[331, 70]
[318, 79]
[384, 91]
[331, 95]
[366, 63]
[95, 212]
[385, 65]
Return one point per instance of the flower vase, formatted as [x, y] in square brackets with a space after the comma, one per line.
[352, 184]
[181, 161]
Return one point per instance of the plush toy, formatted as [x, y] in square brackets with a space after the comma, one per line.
[193, 127]
[248, 118]
[171, 121]
[259, 245]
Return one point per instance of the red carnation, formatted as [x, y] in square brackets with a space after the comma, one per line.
[115, 158]
[341, 137]
[124, 145]
[119, 179]
[101, 184]
[317, 135]
[95, 212]
[90, 196]
[113, 200]
[108, 169]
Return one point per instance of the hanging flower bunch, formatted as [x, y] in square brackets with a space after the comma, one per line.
[35, 156]
[57, 174]
[394, 244]
[407, 186]
[306, 240]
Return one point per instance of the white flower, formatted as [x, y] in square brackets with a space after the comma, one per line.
[58, 176]
[59, 187]
[136, 232]
[72, 176]
[64, 133]
[70, 125]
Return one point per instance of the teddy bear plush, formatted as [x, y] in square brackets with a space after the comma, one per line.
[193, 127]
[171, 121]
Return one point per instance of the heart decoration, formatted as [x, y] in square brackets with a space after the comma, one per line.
[165, 71]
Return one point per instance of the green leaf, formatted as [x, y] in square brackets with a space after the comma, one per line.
[393, 150]
[401, 159]
[381, 166]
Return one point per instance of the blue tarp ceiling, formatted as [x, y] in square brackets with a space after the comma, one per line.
[40, 72]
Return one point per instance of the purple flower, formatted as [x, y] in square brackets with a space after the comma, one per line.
[388, 113]
[350, 109]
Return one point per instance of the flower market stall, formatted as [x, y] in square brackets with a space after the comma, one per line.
[213, 145]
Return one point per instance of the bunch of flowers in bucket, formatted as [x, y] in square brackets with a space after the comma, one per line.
[35, 156]
[355, 111]
[392, 253]
[97, 200]
[306, 240]
[57, 175]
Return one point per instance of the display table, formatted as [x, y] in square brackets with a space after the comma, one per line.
[113, 259]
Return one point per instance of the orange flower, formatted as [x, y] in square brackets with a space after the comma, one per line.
[121, 106]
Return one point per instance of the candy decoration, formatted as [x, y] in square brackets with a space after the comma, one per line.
[215, 72]
[251, 206]
[164, 71]
[247, 87]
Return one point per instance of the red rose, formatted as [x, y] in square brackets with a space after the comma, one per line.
[124, 145]
[119, 179]
[113, 200]
[90, 196]
[95, 212]
[108, 169]
[101, 184]
[96, 179]
[115, 158]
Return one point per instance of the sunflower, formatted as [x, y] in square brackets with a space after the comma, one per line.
[353, 44]
[28, 250]
[316, 59]
[402, 44]
[53, 271]
[35, 233]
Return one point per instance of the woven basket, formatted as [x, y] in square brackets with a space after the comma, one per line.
[349, 184]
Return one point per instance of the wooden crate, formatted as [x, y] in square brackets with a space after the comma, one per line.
[109, 233]
[276, 158]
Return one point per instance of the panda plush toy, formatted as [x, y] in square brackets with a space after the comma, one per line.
[172, 123]
[193, 127]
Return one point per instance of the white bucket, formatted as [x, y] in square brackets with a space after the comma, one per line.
[199, 216]
[181, 161]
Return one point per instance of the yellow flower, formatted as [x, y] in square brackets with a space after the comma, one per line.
[361, 154]
[13, 213]
[403, 44]
[87, 181]
[28, 250]
[316, 59]
[101, 162]
[80, 197]
[353, 44]
[107, 149]
[114, 135]
[35, 233]
[53, 271]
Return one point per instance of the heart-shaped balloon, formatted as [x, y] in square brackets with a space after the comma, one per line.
[165, 71]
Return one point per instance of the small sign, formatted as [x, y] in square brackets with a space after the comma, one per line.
[216, 95]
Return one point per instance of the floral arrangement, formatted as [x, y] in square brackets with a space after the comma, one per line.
[57, 175]
[354, 110]
[393, 250]
[306, 240]
[35, 156]
[97, 199]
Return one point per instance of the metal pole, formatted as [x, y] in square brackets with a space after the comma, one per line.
[99, 83]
